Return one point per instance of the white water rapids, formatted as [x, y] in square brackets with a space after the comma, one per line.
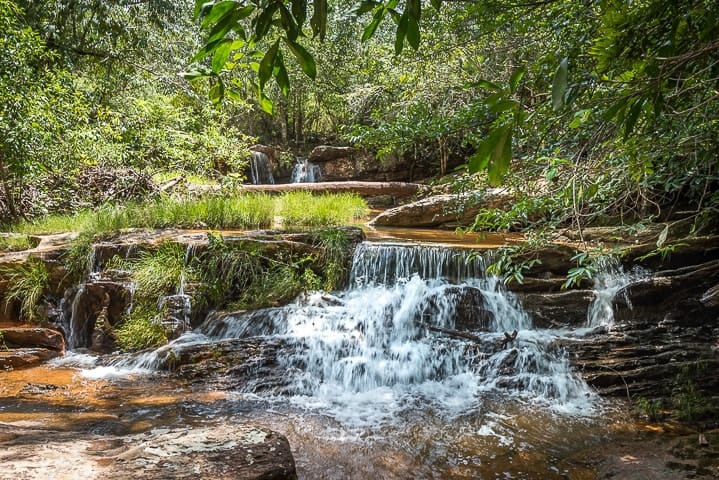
[364, 355]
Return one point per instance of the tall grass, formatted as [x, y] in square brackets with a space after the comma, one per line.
[215, 212]
[326, 210]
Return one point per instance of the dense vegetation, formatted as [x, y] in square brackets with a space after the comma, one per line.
[593, 110]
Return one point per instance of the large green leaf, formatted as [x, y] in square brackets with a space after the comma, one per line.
[217, 92]
[319, 19]
[307, 63]
[559, 85]
[632, 117]
[400, 35]
[414, 9]
[280, 74]
[288, 22]
[264, 20]
[365, 7]
[299, 11]
[222, 52]
[501, 156]
[372, 27]
[481, 157]
[267, 64]
[218, 11]
[516, 77]
[413, 35]
[224, 25]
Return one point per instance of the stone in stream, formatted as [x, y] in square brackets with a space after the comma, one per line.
[222, 451]
[239, 451]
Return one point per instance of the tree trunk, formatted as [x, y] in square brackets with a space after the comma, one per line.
[7, 188]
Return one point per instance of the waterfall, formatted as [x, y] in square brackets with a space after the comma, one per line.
[365, 354]
[306, 172]
[261, 169]
[610, 281]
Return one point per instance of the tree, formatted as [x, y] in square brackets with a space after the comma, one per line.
[28, 96]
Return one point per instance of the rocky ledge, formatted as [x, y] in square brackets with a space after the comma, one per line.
[243, 451]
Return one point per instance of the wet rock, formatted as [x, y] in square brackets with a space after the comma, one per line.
[557, 309]
[25, 357]
[104, 299]
[247, 364]
[32, 337]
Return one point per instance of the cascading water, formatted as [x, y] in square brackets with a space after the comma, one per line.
[386, 344]
[306, 172]
[610, 281]
[261, 169]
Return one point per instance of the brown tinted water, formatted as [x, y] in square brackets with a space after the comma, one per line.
[502, 439]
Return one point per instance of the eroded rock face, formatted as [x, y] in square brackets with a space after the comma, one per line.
[662, 329]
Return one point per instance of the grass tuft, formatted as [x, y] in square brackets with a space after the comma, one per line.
[26, 284]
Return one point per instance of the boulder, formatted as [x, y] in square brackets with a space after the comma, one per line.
[447, 211]
[32, 337]
[245, 451]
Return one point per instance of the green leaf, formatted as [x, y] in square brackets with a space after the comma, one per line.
[207, 49]
[516, 78]
[632, 117]
[288, 22]
[481, 157]
[365, 7]
[501, 156]
[559, 85]
[223, 26]
[200, 7]
[267, 64]
[319, 19]
[195, 74]
[281, 77]
[414, 9]
[299, 11]
[217, 92]
[217, 12]
[265, 103]
[487, 84]
[612, 111]
[437, 4]
[372, 27]
[401, 33]
[503, 106]
[307, 63]
[264, 20]
[413, 35]
[222, 52]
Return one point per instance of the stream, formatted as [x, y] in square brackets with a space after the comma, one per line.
[364, 383]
